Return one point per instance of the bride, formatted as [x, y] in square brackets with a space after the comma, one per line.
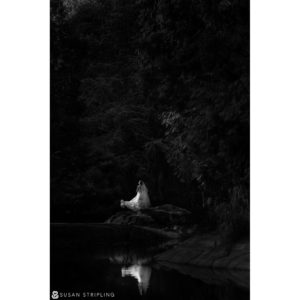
[140, 201]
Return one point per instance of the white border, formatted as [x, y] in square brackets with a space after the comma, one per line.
[275, 149]
[24, 156]
[24, 146]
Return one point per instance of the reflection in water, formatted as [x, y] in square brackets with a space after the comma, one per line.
[141, 273]
[134, 264]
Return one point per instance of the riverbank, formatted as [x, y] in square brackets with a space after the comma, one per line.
[198, 250]
[206, 250]
[96, 235]
[201, 256]
[205, 257]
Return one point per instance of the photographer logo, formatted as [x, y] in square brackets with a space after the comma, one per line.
[54, 295]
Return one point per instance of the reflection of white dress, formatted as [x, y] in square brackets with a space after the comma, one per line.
[140, 201]
[141, 273]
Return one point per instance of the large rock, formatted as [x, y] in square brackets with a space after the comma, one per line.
[160, 216]
[99, 236]
[169, 215]
[131, 218]
[208, 251]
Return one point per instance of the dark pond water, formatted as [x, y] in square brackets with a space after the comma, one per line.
[106, 272]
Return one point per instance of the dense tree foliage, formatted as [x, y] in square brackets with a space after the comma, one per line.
[150, 89]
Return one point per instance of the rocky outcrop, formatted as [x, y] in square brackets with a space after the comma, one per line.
[211, 276]
[169, 215]
[131, 218]
[207, 251]
[93, 236]
[159, 216]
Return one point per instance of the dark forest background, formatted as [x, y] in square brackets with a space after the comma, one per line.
[152, 90]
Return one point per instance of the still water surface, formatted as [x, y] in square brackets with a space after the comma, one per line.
[127, 273]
